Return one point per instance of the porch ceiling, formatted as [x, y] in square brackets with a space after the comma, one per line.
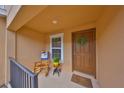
[55, 18]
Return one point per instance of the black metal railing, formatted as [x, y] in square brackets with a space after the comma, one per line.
[21, 77]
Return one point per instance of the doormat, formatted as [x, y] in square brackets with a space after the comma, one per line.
[81, 81]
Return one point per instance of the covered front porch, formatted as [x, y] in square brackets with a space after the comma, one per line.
[35, 36]
[31, 30]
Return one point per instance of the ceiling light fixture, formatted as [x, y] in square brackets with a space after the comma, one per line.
[54, 21]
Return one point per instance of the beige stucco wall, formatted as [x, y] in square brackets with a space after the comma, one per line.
[2, 50]
[110, 47]
[29, 46]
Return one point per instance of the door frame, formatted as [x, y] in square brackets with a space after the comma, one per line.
[87, 30]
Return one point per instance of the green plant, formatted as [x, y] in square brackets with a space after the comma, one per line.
[56, 59]
[82, 40]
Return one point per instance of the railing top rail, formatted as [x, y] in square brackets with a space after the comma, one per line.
[22, 67]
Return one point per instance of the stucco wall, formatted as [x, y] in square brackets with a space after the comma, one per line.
[2, 50]
[29, 46]
[110, 47]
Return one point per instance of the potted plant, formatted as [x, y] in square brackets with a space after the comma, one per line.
[56, 65]
[56, 61]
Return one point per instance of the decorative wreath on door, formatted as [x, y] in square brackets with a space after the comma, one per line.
[82, 40]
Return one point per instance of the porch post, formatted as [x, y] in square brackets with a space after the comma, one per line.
[10, 51]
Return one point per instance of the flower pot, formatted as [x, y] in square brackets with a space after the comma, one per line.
[56, 64]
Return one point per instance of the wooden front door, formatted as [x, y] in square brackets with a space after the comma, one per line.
[84, 53]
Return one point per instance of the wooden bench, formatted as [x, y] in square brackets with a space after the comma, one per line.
[42, 66]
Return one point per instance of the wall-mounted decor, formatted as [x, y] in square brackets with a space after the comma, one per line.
[82, 40]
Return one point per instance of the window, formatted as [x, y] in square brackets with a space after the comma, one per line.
[56, 46]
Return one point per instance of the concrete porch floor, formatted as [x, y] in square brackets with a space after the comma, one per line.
[63, 81]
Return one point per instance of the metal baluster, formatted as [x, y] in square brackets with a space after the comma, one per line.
[21, 77]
